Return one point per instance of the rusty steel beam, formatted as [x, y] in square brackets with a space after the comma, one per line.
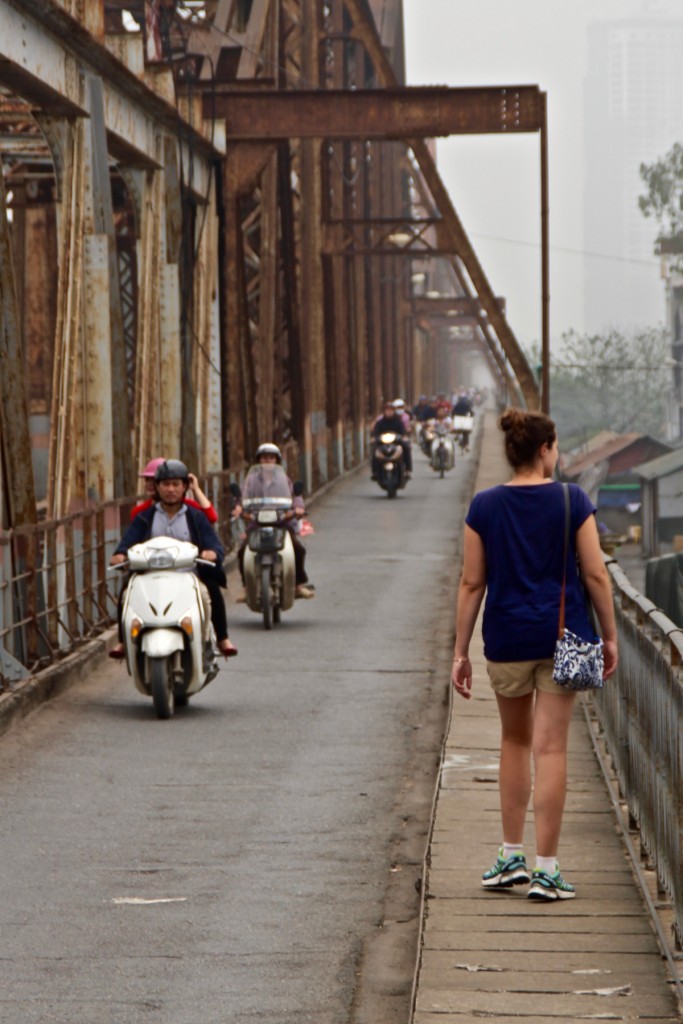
[15, 437]
[45, 70]
[312, 293]
[457, 320]
[123, 477]
[447, 306]
[291, 309]
[387, 236]
[389, 114]
[364, 25]
[545, 268]
[464, 249]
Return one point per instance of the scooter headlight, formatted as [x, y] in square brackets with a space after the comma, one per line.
[267, 515]
[162, 558]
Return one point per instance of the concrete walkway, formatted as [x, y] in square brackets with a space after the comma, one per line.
[499, 955]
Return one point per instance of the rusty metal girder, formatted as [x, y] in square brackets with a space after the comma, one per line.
[390, 113]
[364, 25]
[447, 306]
[387, 236]
[15, 440]
[46, 70]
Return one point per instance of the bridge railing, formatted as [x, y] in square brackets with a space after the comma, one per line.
[54, 590]
[640, 711]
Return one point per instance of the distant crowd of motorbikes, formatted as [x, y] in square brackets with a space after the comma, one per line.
[439, 426]
[172, 618]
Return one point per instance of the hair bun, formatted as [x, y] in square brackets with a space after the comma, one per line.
[512, 419]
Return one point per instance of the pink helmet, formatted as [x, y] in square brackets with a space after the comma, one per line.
[151, 468]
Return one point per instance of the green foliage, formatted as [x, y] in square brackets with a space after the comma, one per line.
[611, 381]
[664, 198]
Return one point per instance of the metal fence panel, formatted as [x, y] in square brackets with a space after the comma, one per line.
[641, 712]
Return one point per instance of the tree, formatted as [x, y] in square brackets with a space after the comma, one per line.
[611, 381]
[664, 198]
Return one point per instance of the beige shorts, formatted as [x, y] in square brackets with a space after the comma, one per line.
[517, 678]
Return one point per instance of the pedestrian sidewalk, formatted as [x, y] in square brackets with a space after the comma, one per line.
[497, 954]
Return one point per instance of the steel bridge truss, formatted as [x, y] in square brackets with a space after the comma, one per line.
[226, 227]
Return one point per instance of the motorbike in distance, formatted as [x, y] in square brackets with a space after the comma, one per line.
[442, 449]
[390, 464]
[463, 426]
[163, 623]
[269, 561]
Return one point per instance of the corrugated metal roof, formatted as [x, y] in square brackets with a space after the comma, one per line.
[663, 465]
[605, 451]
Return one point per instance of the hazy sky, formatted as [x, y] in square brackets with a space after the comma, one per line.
[493, 180]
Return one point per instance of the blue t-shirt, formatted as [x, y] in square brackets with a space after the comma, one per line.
[522, 529]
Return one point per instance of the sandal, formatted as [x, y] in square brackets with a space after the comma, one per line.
[228, 652]
[117, 653]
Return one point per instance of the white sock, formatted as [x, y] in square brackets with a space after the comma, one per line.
[547, 864]
[511, 848]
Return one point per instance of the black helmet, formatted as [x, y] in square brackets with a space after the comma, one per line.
[172, 469]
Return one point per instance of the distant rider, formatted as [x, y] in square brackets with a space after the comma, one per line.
[443, 419]
[464, 405]
[400, 405]
[270, 455]
[391, 422]
[424, 410]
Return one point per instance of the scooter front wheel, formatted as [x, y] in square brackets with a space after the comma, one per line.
[161, 684]
[266, 598]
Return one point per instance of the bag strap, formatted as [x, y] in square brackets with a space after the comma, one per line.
[567, 516]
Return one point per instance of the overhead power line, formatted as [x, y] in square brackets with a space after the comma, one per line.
[563, 248]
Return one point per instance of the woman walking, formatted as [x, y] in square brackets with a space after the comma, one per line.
[513, 553]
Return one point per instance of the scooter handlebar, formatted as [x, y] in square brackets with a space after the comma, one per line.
[118, 566]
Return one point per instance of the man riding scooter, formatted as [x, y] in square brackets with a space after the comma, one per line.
[391, 422]
[171, 517]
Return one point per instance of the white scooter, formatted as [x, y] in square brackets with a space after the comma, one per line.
[163, 624]
[442, 451]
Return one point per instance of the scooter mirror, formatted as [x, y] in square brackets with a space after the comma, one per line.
[298, 488]
[235, 490]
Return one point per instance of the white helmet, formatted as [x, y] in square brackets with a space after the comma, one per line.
[399, 404]
[268, 449]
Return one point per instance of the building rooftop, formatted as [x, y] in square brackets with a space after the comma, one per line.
[601, 454]
[663, 465]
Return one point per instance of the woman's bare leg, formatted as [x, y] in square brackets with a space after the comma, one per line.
[552, 718]
[516, 718]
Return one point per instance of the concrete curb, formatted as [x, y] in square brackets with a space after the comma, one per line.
[31, 693]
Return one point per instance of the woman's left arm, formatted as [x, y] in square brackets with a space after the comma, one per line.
[599, 586]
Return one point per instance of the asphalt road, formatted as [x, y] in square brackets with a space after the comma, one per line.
[235, 864]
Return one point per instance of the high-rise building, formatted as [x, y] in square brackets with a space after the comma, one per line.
[633, 114]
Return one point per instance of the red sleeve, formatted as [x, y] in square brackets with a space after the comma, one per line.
[209, 511]
[141, 508]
